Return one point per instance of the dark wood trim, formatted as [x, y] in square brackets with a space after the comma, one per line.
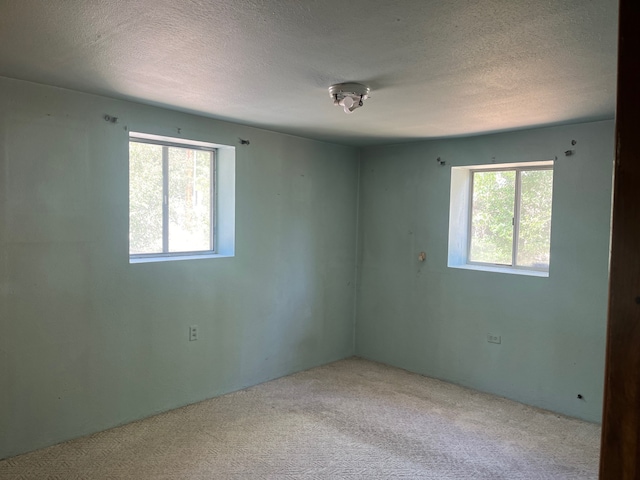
[620, 454]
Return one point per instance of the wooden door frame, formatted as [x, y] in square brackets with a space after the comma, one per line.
[620, 450]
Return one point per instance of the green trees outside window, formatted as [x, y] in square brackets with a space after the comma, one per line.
[170, 199]
[511, 217]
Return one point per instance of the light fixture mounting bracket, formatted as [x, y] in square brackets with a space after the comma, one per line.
[349, 95]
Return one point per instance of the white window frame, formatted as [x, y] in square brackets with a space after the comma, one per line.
[461, 211]
[222, 191]
[165, 198]
[515, 221]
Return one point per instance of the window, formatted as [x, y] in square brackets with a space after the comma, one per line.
[507, 217]
[173, 199]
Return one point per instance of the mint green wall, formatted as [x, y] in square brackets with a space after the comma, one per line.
[88, 341]
[434, 320]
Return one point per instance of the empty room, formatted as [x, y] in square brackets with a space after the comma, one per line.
[305, 239]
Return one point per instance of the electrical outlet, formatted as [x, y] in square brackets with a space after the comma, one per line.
[494, 338]
[193, 333]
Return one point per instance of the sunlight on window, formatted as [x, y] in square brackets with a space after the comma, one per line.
[189, 200]
[145, 198]
[170, 199]
[535, 218]
[510, 217]
[492, 217]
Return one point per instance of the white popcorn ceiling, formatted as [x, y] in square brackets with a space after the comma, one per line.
[436, 68]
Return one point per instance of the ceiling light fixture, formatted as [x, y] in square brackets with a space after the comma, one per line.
[349, 95]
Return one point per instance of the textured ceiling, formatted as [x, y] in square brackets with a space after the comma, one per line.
[436, 68]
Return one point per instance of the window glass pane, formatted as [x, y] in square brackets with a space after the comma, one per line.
[145, 198]
[492, 217]
[535, 218]
[189, 200]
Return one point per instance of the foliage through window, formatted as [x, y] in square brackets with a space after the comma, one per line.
[510, 217]
[171, 198]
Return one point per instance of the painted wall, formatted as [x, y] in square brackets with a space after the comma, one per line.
[88, 341]
[434, 320]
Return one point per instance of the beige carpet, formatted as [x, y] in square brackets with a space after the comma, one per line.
[350, 419]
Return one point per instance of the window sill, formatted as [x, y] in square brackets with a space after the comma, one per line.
[173, 258]
[513, 271]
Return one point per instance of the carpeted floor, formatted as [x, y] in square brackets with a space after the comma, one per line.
[349, 419]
